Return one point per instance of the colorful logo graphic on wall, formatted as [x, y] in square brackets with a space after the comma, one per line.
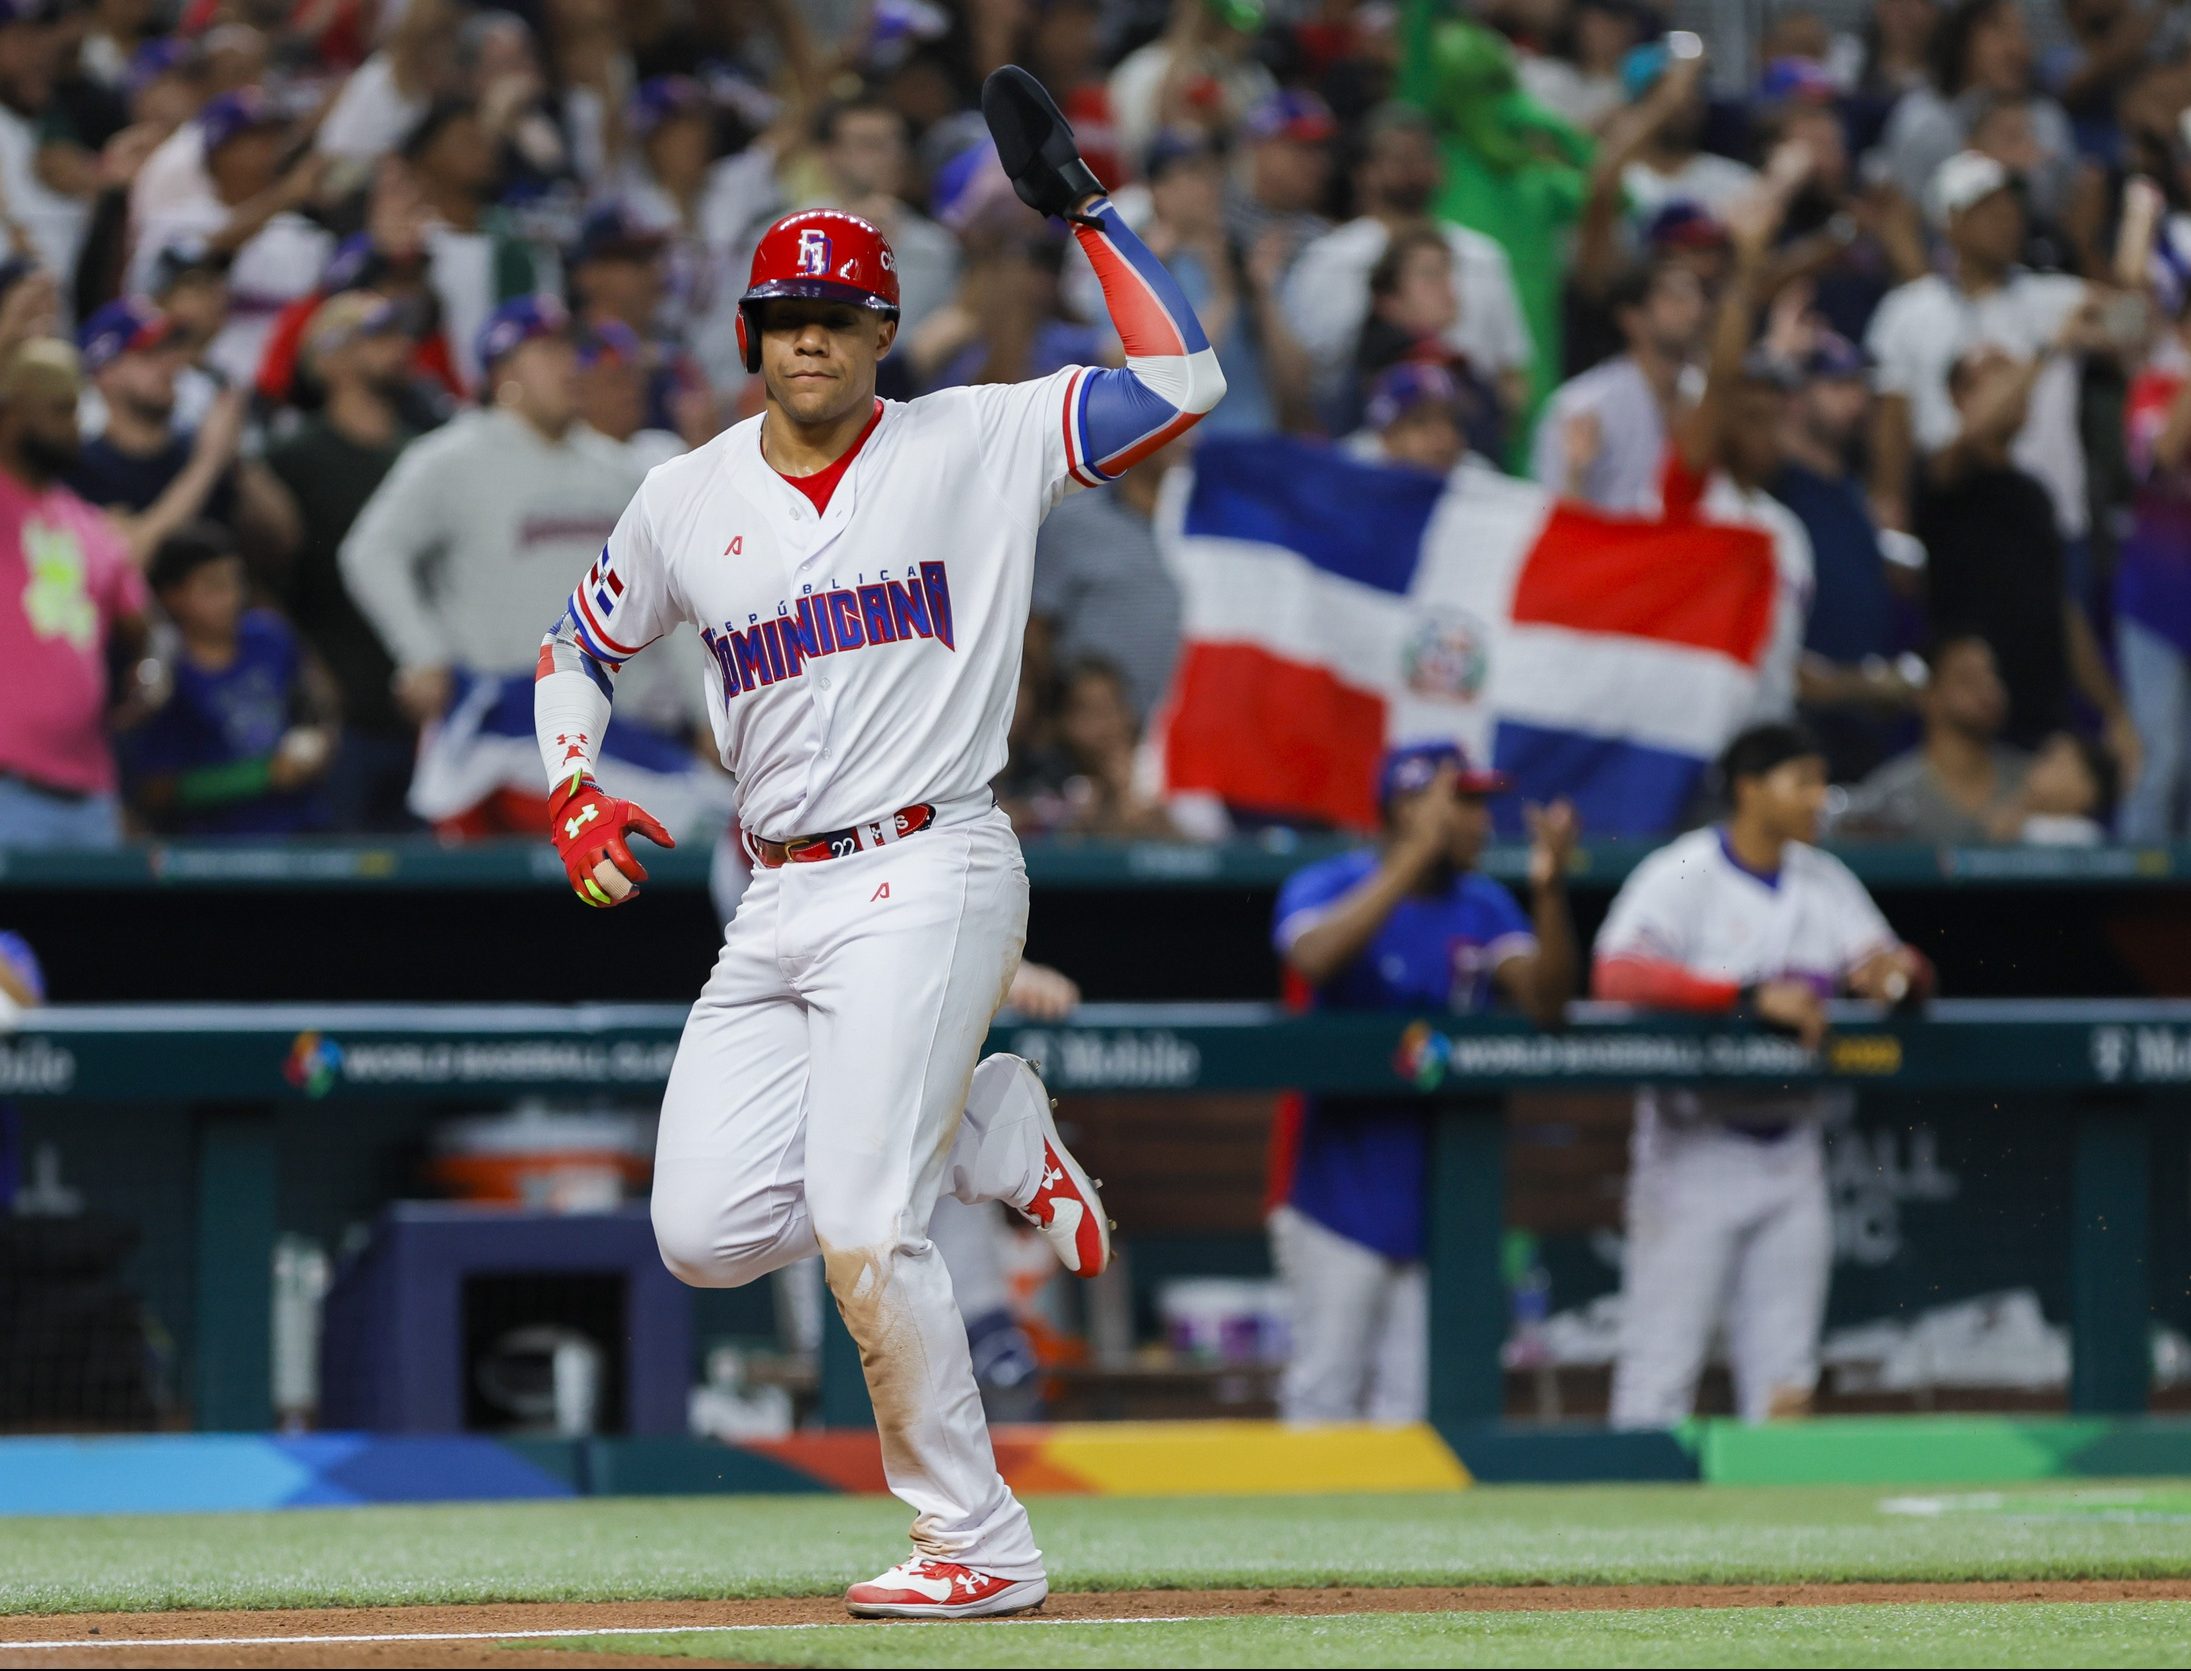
[314, 1061]
[1423, 1056]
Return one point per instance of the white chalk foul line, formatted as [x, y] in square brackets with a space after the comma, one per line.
[570, 1633]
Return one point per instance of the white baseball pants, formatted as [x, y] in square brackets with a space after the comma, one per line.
[815, 1106]
[1360, 1325]
[1723, 1231]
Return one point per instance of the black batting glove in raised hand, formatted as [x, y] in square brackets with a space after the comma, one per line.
[1035, 144]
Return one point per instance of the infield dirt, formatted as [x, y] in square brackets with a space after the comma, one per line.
[272, 1638]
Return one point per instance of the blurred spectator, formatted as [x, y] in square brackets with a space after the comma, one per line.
[866, 166]
[247, 731]
[1981, 51]
[617, 273]
[1006, 324]
[1727, 447]
[1897, 48]
[1409, 924]
[1850, 679]
[1511, 169]
[466, 551]
[1429, 417]
[1995, 562]
[71, 603]
[1579, 78]
[1728, 1223]
[1923, 328]
[612, 393]
[716, 207]
[1282, 176]
[1099, 733]
[442, 202]
[1962, 784]
[1102, 589]
[2153, 586]
[356, 352]
[1327, 293]
[1200, 72]
[1602, 438]
[49, 216]
[248, 208]
[2109, 41]
[383, 99]
[1670, 164]
[150, 473]
[1180, 213]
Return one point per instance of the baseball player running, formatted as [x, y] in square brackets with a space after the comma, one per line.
[859, 572]
[1728, 1224]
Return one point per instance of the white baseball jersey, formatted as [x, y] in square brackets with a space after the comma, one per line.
[853, 671]
[1693, 905]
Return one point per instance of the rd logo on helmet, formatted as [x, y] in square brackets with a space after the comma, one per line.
[814, 251]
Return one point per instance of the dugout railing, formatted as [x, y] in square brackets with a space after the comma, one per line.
[2113, 1070]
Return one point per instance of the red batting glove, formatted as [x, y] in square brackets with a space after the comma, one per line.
[587, 825]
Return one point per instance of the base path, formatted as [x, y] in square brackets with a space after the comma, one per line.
[472, 1635]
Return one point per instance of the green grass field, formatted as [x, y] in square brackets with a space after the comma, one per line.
[632, 1549]
[2068, 1634]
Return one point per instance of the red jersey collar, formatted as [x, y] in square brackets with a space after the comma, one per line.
[822, 483]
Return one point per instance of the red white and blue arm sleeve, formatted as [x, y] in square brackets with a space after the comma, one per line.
[619, 606]
[1114, 419]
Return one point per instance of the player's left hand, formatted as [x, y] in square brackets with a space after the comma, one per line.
[1553, 832]
[589, 826]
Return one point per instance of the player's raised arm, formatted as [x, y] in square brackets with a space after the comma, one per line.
[617, 608]
[1114, 418]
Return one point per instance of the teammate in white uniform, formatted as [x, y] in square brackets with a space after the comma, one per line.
[859, 571]
[1728, 1223]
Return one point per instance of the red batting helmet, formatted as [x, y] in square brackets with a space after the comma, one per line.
[824, 254]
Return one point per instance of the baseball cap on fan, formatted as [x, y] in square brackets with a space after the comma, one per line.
[1399, 389]
[234, 114]
[516, 323]
[1413, 766]
[1965, 179]
[1292, 114]
[127, 326]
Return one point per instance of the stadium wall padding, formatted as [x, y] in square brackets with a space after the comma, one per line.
[176, 1473]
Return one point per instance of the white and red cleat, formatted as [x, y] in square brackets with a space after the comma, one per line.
[1066, 1208]
[925, 1588]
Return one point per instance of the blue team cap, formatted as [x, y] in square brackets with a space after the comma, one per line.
[232, 115]
[660, 99]
[1683, 223]
[162, 55]
[612, 229]
[1799, 80]
[514, 324]
[1403, 387]
[610, 342]
[121, 327]
[1411, 767]
[1834, 355]
[1292, 113]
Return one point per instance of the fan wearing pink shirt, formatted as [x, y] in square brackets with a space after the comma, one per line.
[71, 603]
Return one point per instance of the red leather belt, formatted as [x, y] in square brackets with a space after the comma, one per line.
[840, 844]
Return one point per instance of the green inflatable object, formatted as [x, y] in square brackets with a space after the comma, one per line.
[1514, 170]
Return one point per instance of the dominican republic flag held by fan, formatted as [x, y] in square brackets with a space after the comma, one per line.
[1334, 607]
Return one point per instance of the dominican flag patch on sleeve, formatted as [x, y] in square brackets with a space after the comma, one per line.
[593, 607]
